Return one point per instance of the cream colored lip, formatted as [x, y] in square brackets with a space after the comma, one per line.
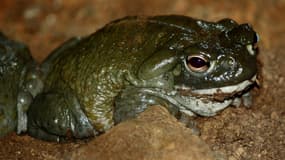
[227, 89]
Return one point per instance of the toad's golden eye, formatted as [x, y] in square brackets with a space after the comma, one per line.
[197, 63]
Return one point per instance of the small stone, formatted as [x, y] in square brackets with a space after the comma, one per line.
[274, 116]
[239, 151]
[260, 139]
[32, 12]
[281, 80]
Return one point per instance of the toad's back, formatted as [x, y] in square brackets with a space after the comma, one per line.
[93, 68]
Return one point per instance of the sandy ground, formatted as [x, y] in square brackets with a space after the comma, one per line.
[241, 133]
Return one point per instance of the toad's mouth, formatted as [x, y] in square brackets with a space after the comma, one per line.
[207, 102]
[220, 93]
[204, 102]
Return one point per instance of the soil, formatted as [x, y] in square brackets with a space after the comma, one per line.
[241, 133]
[154, 134]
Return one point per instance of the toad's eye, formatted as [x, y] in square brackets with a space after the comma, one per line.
[197, 63]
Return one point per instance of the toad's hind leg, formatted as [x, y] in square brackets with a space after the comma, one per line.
[56, 116]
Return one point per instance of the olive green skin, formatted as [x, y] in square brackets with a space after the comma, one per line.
[86, 78]
[15, 96]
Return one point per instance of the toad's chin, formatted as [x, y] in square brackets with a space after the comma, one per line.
[207, 102]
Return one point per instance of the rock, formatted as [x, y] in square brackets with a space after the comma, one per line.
[274, 115]
[153, 135]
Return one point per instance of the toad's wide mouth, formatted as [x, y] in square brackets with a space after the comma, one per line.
[219, 93]
[207, 102]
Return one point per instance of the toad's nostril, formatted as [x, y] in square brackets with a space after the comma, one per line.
[231, 61]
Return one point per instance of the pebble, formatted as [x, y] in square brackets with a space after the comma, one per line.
[274, 116]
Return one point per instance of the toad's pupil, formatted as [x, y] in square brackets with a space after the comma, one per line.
[196, 62]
